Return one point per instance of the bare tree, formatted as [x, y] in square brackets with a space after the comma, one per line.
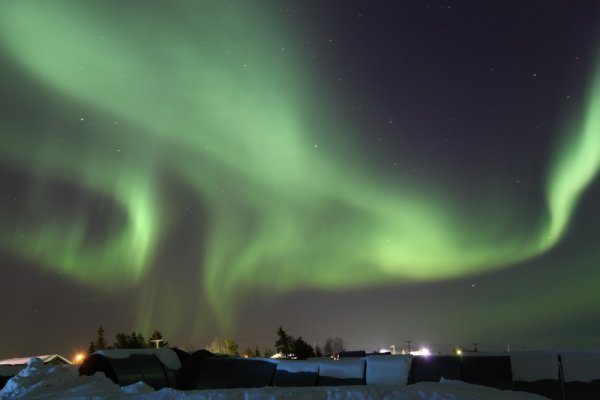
[334, 346]
[216, 346]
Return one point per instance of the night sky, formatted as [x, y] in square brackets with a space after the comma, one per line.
[377, 170]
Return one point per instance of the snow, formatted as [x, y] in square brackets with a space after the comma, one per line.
[40, 381]
[344, 368]
[388, 369]
[447, 390]
[296, 366]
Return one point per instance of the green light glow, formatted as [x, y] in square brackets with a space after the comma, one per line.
[217, 100]
[576, 165]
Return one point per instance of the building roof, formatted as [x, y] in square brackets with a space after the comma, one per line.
[48, 358]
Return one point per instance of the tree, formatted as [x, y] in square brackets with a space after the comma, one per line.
[99, 343]
[216, 346]
[334, 346]
[283, 344]
[268, 352]
[133, 341]
[157, 340]
[100, 340]
[301, 349]
[256, 352]
[318, 351]
[231, 347]
[92, 348]
[248, 352]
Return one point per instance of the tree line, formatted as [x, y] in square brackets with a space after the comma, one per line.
[297, 348]
[286, 346]
[134, 340]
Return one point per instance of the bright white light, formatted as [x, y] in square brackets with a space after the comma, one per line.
[424, 351]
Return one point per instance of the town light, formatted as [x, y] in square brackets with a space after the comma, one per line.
[423, 351]
[79, 357]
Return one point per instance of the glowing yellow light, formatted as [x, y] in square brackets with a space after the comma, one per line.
[79, 357]
[459, 352]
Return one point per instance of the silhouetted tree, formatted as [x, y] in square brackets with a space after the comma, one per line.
[268, 352]
[92, 348]
[284, 342]
[256, 352]
[99, 343]
[100, 340]
[301, 349]
[334, 346]
[133, 341]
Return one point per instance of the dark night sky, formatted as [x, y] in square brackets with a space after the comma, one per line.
[376, 170]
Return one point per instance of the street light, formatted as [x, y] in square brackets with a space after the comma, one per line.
[79, 357]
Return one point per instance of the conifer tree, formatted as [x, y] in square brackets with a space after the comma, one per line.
[100, 340]
[283, 344]
[301, 349]
[92, 348]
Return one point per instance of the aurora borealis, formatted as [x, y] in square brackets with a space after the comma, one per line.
[224, 167]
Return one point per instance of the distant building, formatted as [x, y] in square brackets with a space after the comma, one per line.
[52, 359]
[11, 366]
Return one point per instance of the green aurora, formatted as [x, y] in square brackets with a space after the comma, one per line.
[218, 103]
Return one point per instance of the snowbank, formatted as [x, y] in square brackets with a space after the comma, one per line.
[447, 390]
[388, 370]
[39, 381]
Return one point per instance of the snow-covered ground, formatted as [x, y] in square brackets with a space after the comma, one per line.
[40, 381]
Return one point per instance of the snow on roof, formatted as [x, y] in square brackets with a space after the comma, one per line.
[24, 360]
